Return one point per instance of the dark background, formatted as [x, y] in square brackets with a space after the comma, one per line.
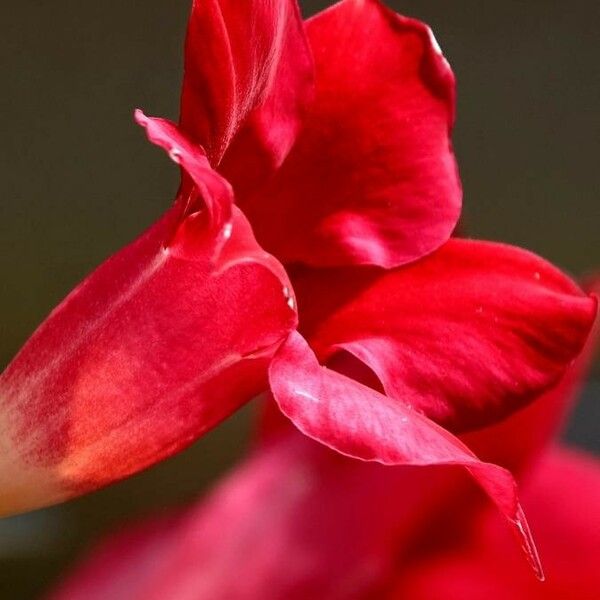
[78, 181]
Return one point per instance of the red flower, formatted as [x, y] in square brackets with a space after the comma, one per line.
[296, 521]
[334, 136]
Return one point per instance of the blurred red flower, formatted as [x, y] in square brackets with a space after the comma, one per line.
[333, 137]
[297, 521]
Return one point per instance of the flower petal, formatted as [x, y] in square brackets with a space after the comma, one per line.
[160, 343]
[372, 177]
[215, 191]
[248, 71]
[516, 442]
[327, 527]
[563, 502]
[466, 335]
[361, 423]
[294, 521]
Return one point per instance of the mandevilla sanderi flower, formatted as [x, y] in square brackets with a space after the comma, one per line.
[332, 138]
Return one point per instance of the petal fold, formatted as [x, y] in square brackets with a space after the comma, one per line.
[467, 335]
[159, 344]
[372, 177]
[359, 422]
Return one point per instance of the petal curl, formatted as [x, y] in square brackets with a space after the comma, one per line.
[159, 344]
[359, 422]
[248, 76]
[372, 178]
[466, 335]
[215, 191]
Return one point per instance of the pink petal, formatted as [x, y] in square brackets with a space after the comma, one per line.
[272, 423]
[466, 335]
[372, 177]
[563, 503]
[361, 423]
[295, 521]
[158, 345]
[248, 71]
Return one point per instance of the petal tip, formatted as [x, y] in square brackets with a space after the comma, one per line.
[140, 117]
[528, 543]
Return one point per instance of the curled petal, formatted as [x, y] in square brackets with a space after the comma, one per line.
[248, 71]
[215, 191]
[466, 335]
[372, 178]
[361, 423]
[158, 345]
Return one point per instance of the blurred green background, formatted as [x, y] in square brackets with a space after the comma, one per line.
[78, 181]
